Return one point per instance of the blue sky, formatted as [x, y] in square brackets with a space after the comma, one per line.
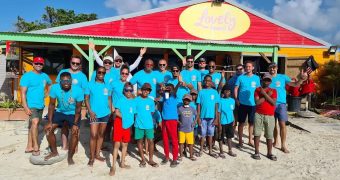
[317, 17]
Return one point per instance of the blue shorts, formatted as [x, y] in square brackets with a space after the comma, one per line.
[244, 111]
[61, 118]
[207, 127]
[104, 119]
[281, 112]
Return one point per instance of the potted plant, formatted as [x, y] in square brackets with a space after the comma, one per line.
[12, 110]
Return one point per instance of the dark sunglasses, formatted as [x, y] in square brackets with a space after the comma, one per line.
[101, 72]
[75, 63]
[239, 69]
[175, 70]
[161, 64]
[38, 64]
[211, 67]
[124, 73]
[107, 62]
[118, 60]
[69, 81]
[146, 89]
[128, 90]
[193, 94]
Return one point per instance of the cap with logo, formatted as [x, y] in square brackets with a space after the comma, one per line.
[38, 60]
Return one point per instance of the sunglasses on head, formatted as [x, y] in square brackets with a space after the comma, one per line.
[107, 62]
[118, 60]
[128, 90]
[161, 64]
[66, 81]
[75, 63]
[101, 72]
[38, 64]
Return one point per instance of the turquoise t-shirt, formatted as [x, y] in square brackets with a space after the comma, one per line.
[127, 108]
[181, 91]
[142, 77]
[117, 88]
[156, 117]
[208, 98]
[232, 82]
[247, 86]
[99, 98]
[66, 100]
[166, 76]
[203, 73]
[193, 77]
[144, 108]
[216, 78]
[108, 78]
[78, 79]
[279, 83]
[226, 108]
[35, 84]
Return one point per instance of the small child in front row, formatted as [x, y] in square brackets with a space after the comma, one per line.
[225, 109]
[187, 123]
[265, 98]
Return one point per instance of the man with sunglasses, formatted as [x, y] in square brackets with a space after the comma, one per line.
[216, 77]
[78, 79]
[147, 75]
[191, 75]
[166, 75]
[68, 112]
[33, 85]
[183, 88]
[202, 63]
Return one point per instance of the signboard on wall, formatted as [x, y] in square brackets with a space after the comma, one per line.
[214, 21]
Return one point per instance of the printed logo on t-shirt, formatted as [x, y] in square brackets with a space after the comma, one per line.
[212, 97]
[110, 80]
[278, 84]
[106, 92]
[70, 100]
[154, 80]
[231, 106]
[166, 79]
[147, 107]
[253, 84]
[74, 81]
[217, 81]
[193, 78]
[131, 110]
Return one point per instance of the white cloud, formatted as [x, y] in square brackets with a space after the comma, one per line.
[128, 6]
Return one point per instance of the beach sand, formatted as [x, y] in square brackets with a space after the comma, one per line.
[314, 155]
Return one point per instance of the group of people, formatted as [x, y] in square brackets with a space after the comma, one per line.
[185, 104]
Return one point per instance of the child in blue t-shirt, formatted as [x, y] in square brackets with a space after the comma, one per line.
[226, 115]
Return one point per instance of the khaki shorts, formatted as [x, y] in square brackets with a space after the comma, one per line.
[36, 114]
[264, 122]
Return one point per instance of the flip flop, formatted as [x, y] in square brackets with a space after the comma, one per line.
[36, 153]
[272, 157]
[193, 159]
[231, 154]
[142, 164]
[198, 154]
[239, 146]
[29, 151]
[256, 156]
[214, 155]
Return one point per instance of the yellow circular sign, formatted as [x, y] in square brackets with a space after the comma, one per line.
[214, 21]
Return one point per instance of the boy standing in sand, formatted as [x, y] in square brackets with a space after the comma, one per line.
[186, 126]
[265, 98]
[207, 100]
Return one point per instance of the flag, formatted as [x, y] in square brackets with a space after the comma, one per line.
[309, 70]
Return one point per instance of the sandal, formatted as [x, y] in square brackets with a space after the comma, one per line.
[153, 164]
[272, 157]
[142, 164]
[256, 156]
[214, 155]
[221, 155]
[193, 158]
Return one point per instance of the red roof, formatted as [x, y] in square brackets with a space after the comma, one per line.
[165, 25]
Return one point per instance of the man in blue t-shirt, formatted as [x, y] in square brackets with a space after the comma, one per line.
[183, 88]
[207, 111]
[33, 85]
[279, 82]
[217, 78]
[69, 98]
[244, 96]
[147, 75]
[202, 63]
[191, 75]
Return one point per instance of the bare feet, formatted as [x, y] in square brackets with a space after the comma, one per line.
[276, 145]
[51, 155]
[112, 171]
[99, 158]
[285, 150]
[125, 166]
[70, 161]
[90, 163]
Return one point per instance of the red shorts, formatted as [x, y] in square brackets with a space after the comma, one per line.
[120, 134]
